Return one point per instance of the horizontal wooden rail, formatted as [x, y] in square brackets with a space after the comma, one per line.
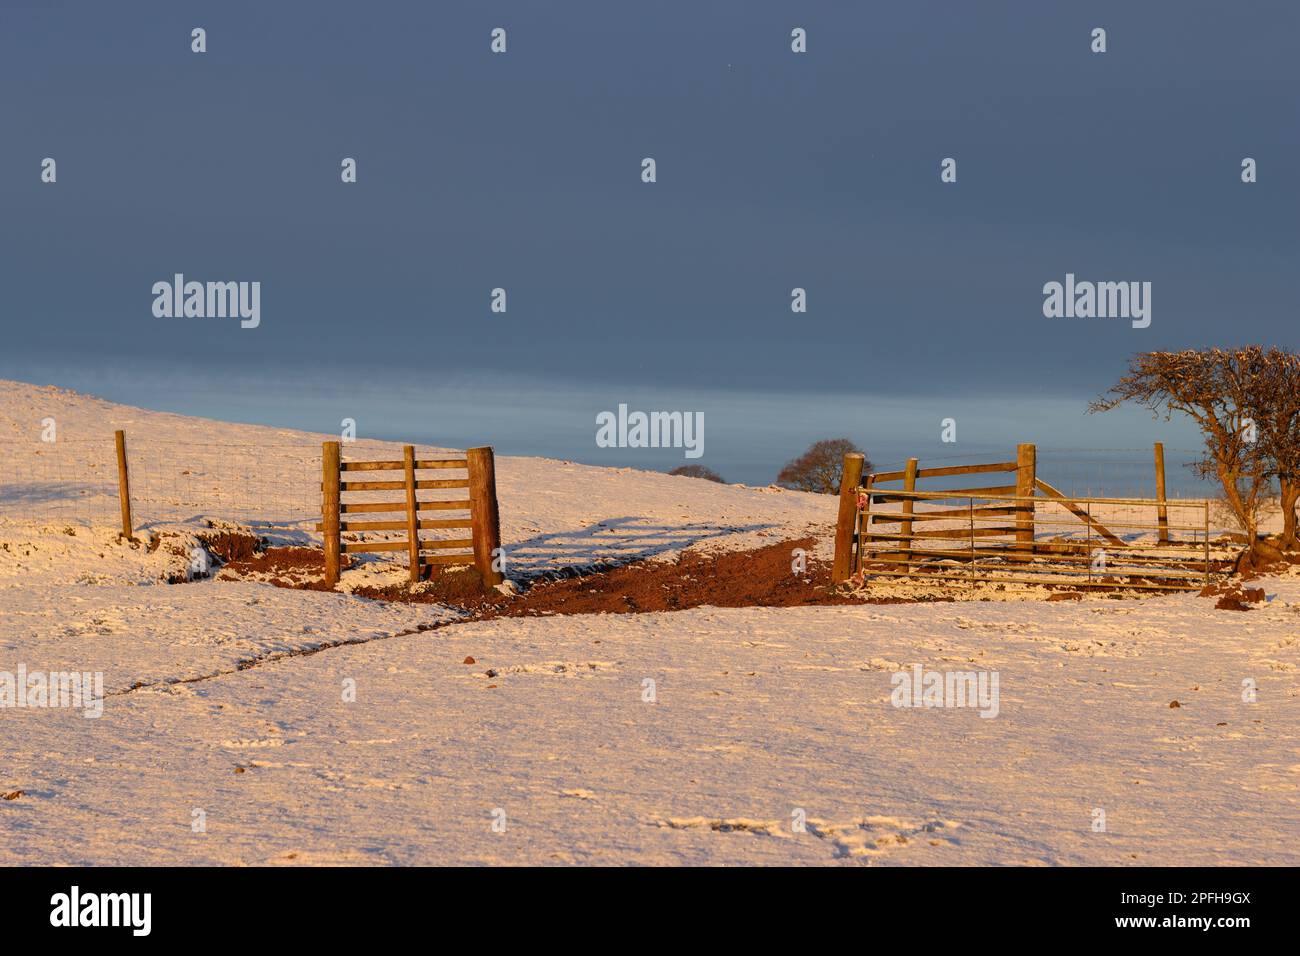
[1046, 523]
[994, 491]
[1001, 547]
[988, 562]
[1058, 563]
[372, 507]
[945, 471]
[400, 465]
[963, 516]
[1153, 552]
[876, 493]
[989, 574]
[1009, 466]
[428, 559]
[1168, 553]
[424, 524]
[423, 484]
[364, 547]
[445, 544]
[964, 577]
[957, 533]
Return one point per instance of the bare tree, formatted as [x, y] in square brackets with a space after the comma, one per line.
[698, 471]
[818, 469]
[1275, 409]
[1216, 388]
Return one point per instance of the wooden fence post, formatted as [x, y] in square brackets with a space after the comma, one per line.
[412, 521]
[123, 485]
[329, 458]
[905, 526]
[484, 514]
[1026, 477]
[1162, 513]
[850, 478]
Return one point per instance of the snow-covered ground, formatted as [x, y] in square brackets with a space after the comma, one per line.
[533, 740]
[554, 514]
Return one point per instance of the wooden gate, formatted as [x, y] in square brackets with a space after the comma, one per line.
[1025, 532]
[479, 506]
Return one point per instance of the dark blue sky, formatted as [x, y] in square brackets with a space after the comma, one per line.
[522, 170]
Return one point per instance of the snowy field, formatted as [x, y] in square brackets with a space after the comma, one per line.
[227, 697]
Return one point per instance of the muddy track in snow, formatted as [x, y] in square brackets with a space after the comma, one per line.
[762, 577]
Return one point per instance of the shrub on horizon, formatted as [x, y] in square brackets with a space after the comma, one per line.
[818, 469]
[698, 471]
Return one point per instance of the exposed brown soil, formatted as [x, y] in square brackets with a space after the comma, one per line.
[762, 577]
[302, 568]
[1251, 572]
[230, 545]
[458, 586]
[224, 543]
[759, 578]
[1232, 596]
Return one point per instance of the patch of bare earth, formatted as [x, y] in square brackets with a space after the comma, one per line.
[763, 577]
[1232, 596]
[302, 568]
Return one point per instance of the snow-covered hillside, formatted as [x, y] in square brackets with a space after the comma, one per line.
[554, 514]
[700, 736]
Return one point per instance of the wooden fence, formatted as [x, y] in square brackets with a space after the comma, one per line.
[1022, 530]
[480, 519]
[482, 548]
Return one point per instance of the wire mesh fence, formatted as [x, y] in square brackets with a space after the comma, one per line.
[1097, 472]
[1121, 472]
[76, 482]
[68, 482]
[277, 484]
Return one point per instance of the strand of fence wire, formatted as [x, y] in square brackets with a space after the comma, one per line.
[1122, 473]
[268, 486]
[58, 483]
[75, 483]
